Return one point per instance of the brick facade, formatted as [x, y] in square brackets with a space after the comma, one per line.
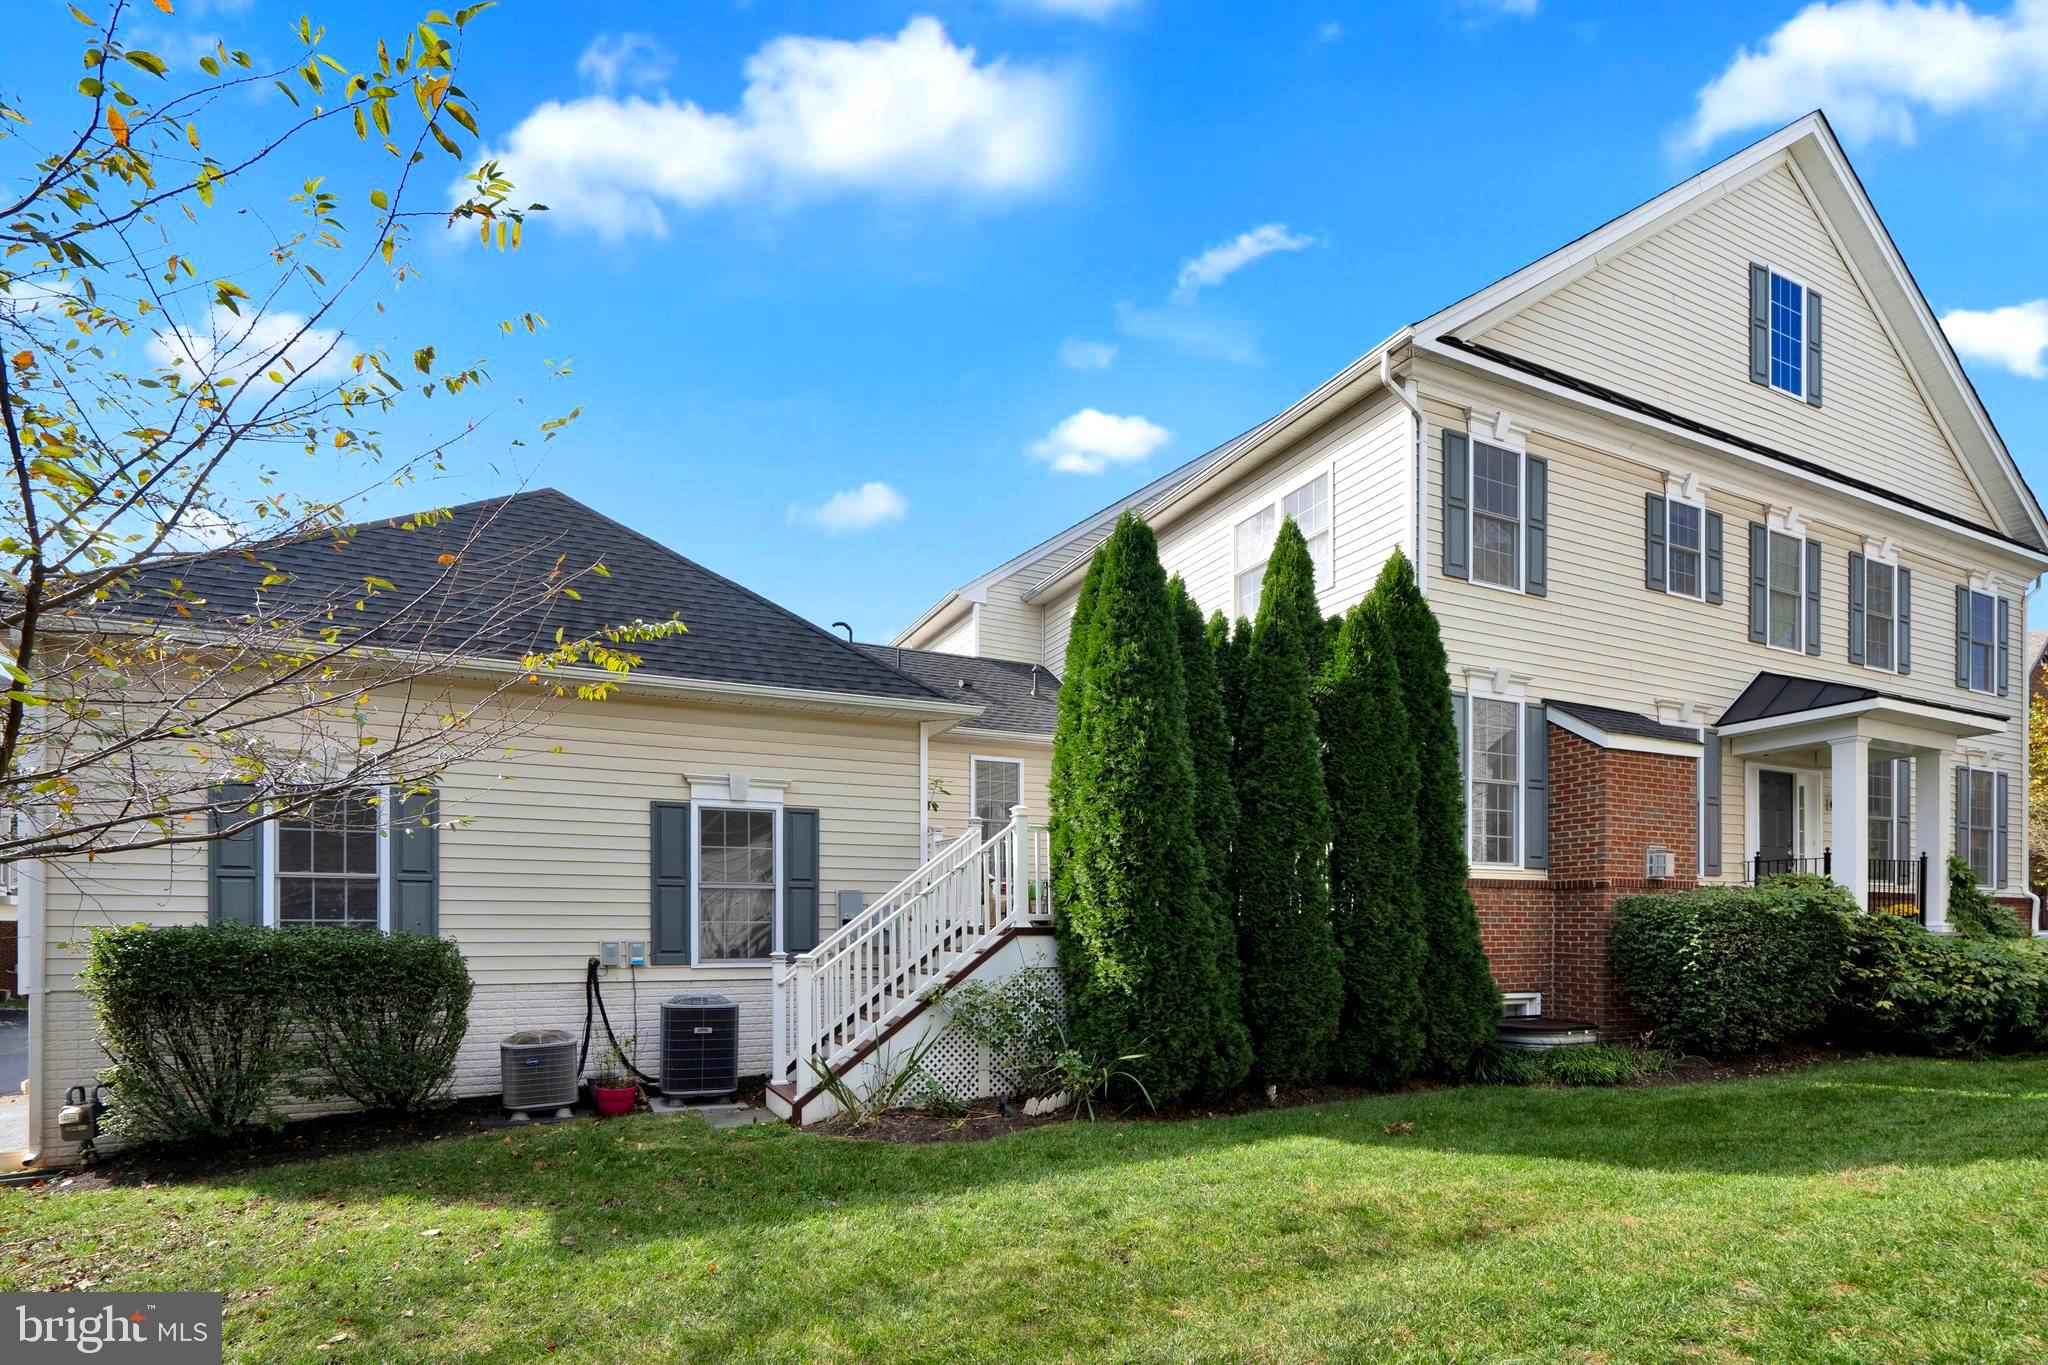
[1608, 807]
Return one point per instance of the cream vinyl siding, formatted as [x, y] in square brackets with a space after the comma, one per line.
[1010, 627]
[951, 761]
[553, 854]
[960, 639]
[1668, 321]
[1600, 636]
[1366, 454]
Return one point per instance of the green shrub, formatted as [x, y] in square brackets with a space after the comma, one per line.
[1461, 1003]
[1731, 969]
[198, 1022]
[382, 1015]
[1971, 911]
[1293, 987]
[1574, 1065]
[1946, 993]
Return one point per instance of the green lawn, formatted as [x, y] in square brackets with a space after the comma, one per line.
[1867, 1210]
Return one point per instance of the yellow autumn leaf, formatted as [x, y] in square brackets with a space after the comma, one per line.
[165, 6]
[24, 359]
[118, 126]
[446, 559]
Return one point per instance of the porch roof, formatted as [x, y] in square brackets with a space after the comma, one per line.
[1773, 700]
[1616, 729]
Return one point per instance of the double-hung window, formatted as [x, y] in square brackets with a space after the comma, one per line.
[1496, 515]
[1981, 661]
[1978, 824]
[1309, 506]
[1496, 781]
[1787, 591]
[998, 786]
[1684, 548]
[1891, 805]
[329, 862]
[1880, 614]
[1788, 335]
[736, 885]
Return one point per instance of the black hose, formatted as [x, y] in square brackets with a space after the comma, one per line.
[592, 995]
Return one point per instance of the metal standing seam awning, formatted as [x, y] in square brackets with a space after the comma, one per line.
[1780, 702]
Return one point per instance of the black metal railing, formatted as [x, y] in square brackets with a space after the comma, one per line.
[1761, 867]
[1898, 886]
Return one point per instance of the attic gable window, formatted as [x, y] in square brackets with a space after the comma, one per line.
[1784, 333]
[1788, 335]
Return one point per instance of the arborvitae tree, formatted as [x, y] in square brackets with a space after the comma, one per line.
[1461, 1004]
[1370, 771]
[1293, 990]
[1230, 656]
[1137, 950]
[1215, 826]
[1073, 678]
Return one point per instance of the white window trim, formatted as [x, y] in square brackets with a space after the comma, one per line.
[1808, 809]
[1793, 525]
[1685, 492]
[1970, 766]
[1989, 591]
[1533, 999]
[1490, 685]
[1884, 552]
[697, 809]
[1511, 441]
[974, 762]
[1903, 796]
[1276, 502]
[1805, 340]
[270, 868]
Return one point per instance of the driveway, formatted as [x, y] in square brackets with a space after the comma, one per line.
[13, 1071]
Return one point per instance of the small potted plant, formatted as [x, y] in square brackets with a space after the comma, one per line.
[612, 1089]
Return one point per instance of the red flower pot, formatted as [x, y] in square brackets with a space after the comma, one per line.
[611, 1103]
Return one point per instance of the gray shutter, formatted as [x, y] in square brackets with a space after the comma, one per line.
[414, 864]
[1962, 635]
[1961, 847]
[1902, 598]
[1535, 787]
[1813, 597]
[1759, 325]
[1536, 526]
[1457, 505]
[1813, 348]
[1759, 582]
[669, 869]
[2004, 646]
[799, 880]
[1710, 804]
[1714, 558]
[2001, 860]
[234, 863]
[1461, 712]
[1857, 623]
[1655, 557]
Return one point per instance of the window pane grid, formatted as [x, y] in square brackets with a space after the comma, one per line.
[1496, 515]
[1683, 551]
[998, 785]
[1786, 553]
[1496, 780]
[736, 884]
[1983, 642]
[327, 863]
[1982, 836]
[1788, 335]
[1880, 614]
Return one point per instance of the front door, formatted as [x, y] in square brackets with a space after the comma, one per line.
[1777, 797]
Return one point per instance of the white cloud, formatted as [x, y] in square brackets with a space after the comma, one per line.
[1184, 329]
[1873, 63]
[615, 59]
[905, 114]
[1329, 31]
[1097, 11]
[2013, 338]
[855, 509]
[1225, 259]
[1079, 354]
[247, 348]
[1091, 441]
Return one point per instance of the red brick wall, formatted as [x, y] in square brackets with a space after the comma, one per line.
[1607, 807]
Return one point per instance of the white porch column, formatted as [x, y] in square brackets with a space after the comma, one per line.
[1850, 830]
[1932, 822]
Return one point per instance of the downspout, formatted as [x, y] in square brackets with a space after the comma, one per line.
[32, 976]
[1405, 391]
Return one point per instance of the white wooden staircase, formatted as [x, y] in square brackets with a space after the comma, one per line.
[836, 1005]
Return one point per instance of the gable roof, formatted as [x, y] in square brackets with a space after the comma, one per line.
[1809, 147]
[1019, 698]
[1809, 143]
[480, 606]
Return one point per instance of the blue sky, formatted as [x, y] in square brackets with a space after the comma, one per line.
[778, 283]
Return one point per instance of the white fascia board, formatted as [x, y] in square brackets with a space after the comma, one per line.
[1938, 718]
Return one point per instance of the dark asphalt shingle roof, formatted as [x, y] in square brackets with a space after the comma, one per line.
[1021, 698]
[485, 603]
[1614, 722]
[1780, 694]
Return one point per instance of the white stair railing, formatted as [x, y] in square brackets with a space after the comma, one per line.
[828, 1001]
